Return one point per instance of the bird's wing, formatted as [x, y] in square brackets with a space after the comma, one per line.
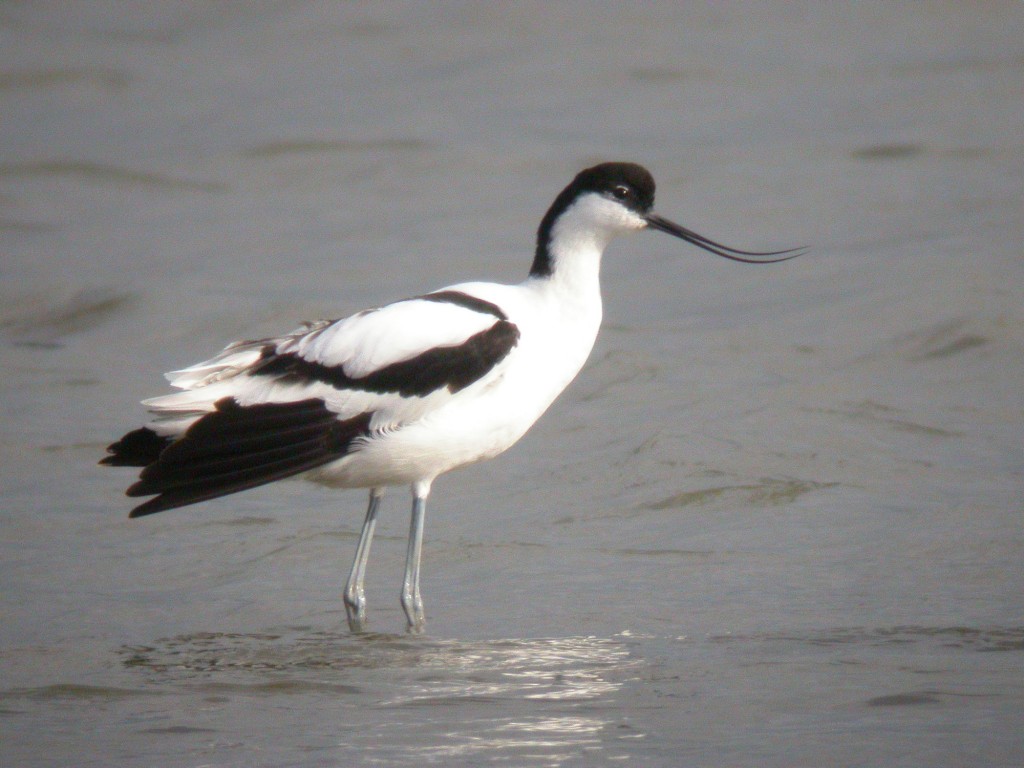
[270, 408]
[393, 362]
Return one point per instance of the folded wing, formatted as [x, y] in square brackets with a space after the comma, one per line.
[266, 409]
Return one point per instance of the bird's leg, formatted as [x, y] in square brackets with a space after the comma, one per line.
[355, 598]
[412, 602]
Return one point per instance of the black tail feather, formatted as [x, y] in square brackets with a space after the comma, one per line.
[169, 477]
[216, 487]
[183, 469]
[138, 448]
[235, 448]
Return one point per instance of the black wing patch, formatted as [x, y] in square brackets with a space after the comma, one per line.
[238, 447]
[466, 301]
[138, 448]
[454, 367]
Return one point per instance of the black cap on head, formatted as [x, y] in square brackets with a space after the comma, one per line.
[628, 183]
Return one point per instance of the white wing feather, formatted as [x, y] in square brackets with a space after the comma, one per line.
[360, 344]
[369, 341]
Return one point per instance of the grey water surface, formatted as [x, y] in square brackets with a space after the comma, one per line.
[777, 521]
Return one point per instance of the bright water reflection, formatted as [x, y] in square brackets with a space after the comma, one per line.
[466, 692]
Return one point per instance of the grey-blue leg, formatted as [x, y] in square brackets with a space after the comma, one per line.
[355, 597]
[412, 602]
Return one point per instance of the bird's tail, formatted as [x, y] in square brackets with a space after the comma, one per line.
[233, 448]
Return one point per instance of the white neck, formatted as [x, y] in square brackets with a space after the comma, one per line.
[575, 245]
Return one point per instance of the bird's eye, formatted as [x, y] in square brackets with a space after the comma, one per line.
[621, 192]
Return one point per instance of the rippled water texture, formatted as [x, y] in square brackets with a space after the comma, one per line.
[778, 520]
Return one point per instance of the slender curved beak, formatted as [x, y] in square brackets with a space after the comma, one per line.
[747, 257]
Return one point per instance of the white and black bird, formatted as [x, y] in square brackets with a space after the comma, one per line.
[400, 394]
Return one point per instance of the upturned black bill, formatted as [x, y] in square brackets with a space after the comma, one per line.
[747, 257]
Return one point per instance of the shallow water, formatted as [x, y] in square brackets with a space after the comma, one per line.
[776, 521]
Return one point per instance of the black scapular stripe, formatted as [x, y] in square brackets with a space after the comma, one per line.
[454, 367]
[466, 301]
[238, 447]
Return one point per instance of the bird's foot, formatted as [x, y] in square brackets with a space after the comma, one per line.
[412, 604]
[355, 609]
